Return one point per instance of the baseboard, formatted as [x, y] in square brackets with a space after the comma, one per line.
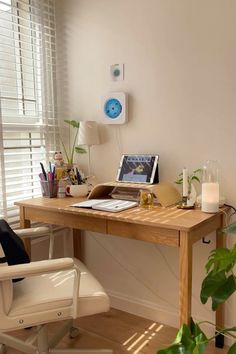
[144, 308]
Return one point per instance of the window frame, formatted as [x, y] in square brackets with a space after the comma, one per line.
[41, 130]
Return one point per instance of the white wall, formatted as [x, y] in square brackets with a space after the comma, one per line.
[180, 74]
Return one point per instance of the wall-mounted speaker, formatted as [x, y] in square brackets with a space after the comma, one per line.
[115, 108]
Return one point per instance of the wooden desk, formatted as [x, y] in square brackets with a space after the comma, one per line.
[167, 226]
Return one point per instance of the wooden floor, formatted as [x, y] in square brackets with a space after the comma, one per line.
[120, 331]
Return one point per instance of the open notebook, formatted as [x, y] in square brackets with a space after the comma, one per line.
[112, 205]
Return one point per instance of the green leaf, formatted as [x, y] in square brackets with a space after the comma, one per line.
[184, 332]
[196, 330]
[179, 181]
[189, 340]
[80, 150]
[195, 178]
[224, 291]
[201, 343]
[233, 253]
[200, 338]
[218, 287]
[220, 259]
[232, 349]
[184, 337]
[199, 170]
[210, 284]
[73, 123]
[191, 177]
[179, 335]
[174, 349]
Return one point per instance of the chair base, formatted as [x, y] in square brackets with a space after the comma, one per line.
[45, 346]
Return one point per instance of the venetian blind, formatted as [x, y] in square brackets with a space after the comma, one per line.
[28, 126]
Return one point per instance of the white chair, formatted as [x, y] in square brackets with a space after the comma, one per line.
[52, 290]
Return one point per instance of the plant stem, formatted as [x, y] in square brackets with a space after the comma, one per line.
[67, 157]
[73, 147]
[224, 331]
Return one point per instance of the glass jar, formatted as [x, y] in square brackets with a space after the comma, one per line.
[210, 187]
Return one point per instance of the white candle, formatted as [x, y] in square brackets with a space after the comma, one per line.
[210, 197]
[185, 182]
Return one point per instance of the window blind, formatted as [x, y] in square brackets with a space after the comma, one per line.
[28, 125]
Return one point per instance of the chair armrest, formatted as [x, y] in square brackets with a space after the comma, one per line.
[35, 268]
[33, 232]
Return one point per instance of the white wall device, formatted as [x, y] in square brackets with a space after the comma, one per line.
[117, 72]
[115, 108]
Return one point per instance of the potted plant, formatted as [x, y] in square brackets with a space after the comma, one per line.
[67, 173]
[219, 284]
[72, 148]
[194, 176]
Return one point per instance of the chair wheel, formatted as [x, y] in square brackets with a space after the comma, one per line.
[3, 349]
[73, 332]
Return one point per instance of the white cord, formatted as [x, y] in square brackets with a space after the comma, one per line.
[118, 139]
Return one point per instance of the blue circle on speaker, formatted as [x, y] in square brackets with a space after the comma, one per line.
[112, 108]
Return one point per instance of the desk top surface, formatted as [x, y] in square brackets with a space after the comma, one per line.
[171, 217]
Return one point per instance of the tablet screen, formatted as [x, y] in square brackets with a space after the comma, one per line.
[137, 168]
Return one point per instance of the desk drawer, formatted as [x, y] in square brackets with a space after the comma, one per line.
[74, 221]
[145, 233]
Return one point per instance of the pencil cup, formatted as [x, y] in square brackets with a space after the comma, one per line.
[49, 188]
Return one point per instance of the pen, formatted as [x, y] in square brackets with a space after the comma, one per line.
[79, 179]
[50, 176]
[53, 172]
[43, 171]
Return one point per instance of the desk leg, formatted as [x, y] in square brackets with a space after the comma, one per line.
[220, 243]
[78, 246]
[25, 224]
[185, 278]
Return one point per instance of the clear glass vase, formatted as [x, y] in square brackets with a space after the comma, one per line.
[210, 187]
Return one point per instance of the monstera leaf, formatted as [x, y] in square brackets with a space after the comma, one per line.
[220, 282]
